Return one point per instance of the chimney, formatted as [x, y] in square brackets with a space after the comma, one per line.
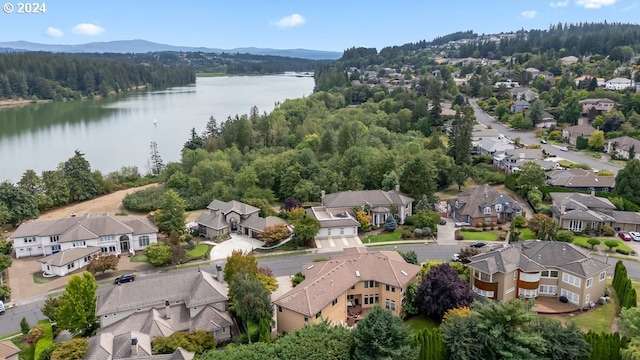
[563, 208]
[398, 187]
[134, 346]
[167, 309]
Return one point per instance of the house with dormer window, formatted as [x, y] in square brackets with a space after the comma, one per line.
[483, 204]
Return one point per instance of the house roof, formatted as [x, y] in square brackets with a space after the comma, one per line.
[8, 349]
[583, 130]
[327, 280]
[625, 143]
[524, 153]
[472, 202]
[212, 220]
[620, 80]
[579, 178]
[106, 346]
[350, 199]
[595, 101]
[235, 206]
[258, 223]
[534, 256]
[153, 291]
[577, 201]
[330, 218]
[493, 145]
[626, 217]
[63, 258]
[85, 227]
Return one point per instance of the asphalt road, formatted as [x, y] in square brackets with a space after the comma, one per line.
[528, 137]
[281, 266]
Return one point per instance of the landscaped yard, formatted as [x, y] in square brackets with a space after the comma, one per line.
[384, 236]
[419, 322]
[527, 234]
[582, 241]
[480, 235]
[599, 319]
[198, 252]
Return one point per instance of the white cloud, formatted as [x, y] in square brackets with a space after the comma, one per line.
[595, 4]
[530, 14]
[87, 29]
[290, 21]
[54, 32]
[559, 3]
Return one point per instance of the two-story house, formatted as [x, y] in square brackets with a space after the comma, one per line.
[483, 204]
[623, 147]
[571, 133]
[69, 243]
[599, 105]
[233, 216]
[618, 83]
[343, 289]
[580, 180]
[510, 160]
[539, 268]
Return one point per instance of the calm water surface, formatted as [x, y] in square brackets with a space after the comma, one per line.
[118, 131]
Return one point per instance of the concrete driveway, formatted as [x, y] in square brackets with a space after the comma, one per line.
[446, 233]
[237, 242]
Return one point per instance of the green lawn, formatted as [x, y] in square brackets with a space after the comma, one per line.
[481, 235]
[599, 319]
[582, 241]
[527, 234]
[46, 341]
[139, 258]
[419, 322]
[198, 252]
[382, 237]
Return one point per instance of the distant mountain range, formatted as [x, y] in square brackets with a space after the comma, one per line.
[143, 46]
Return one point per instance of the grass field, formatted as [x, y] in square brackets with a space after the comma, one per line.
[484, 235]
[419, 322]
[383, 237]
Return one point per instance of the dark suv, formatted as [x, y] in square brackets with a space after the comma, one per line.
[124, 278]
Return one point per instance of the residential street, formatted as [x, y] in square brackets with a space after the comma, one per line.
[528, 137]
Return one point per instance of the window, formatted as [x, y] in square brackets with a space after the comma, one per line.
[103, 250]
[55, 248]
[573, 297]
[482, 276]
[390, 288]
[548, 289]
[279, 308]
[549, 274]
[87, 258]
[371, 284]
[603, 275]
[371, 299]
[530, 277]
[334, 302]
[528, 293]
[498, 207]
[143, 240]
[575, 225]
[107, 238]
[306, 319]
[390, 305]
[487, 210]
[329, 232]
[79, 243]
[589, 282]
[54, 238]
[484, 293]
[30, 239]
[341, 231]
[112, 248]
[587, 298]
[319, 314]
[224, 329]
[71, 266]
[570, 279]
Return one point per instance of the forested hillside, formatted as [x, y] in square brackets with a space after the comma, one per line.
[49, 76]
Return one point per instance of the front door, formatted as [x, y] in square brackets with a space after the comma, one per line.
[124, 243]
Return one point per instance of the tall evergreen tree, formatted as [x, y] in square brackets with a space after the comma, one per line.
[460, 136]
[381, 335]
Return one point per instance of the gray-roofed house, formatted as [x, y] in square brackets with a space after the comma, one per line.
[623, 147]
[483, 204]
[510, 160]
[586, 212]
[520, 106]
[106, 233]
[343, 289]
[163, 305]
[378, 203]
[334, 222]
[233, 216]
[64, 262]
[539, 268]
[572, 133]
[129, 345]
[581, 180]
[491, 146]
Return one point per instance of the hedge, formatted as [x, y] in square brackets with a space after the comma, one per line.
[47, 339]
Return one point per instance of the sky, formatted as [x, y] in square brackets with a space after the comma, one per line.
[284, 24]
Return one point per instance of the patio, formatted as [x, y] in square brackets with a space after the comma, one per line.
[356, 313]
[549, 305]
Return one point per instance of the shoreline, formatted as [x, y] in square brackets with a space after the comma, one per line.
[21, 102]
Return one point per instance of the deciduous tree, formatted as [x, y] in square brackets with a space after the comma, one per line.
[100, 264]
[240, 262]
[249, 299]
[171, 215]
[317, 341]
[159, 253]
[442, 289]
[274, 234]
[381, 335]
[531, 176]
[77, 173]
[18, 204]
[74, 349]
[305, 230]
[596, 141]
[77, 309]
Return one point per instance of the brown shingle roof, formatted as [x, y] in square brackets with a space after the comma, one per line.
[472, 202]
[7, 349]
[334, 277]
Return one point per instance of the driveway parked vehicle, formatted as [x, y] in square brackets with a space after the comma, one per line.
[624, 236]
[462, 224]
[634, 235]
[478, 244]
[443, 221]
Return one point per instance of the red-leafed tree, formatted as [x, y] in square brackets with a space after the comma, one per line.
[441, 290]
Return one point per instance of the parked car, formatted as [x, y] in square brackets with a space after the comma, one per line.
[455, 257]
[462, 224]
[634, 235]
[564, 148]
[124, 278]
[543, 141]
[624, 236]
[443, 221]
[478, 244]
[1, 308]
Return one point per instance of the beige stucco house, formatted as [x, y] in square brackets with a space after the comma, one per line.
[233, 216]
[539, 268]
[343, 289]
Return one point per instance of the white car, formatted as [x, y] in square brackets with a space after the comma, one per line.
[564, 148]
[462, 224]
[634, 235]
[455, 257]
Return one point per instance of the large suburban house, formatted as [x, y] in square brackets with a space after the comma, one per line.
[159, 306]
[600, 105]
[66, 243]
[233, 216]
[343, 289]
[587, 78]
[618, 83]
[483, 204]
[581, 180]
[571, 133]
[519, 106]
[586, 212]
[334, 222]
[131, 345]
[510, 160]
[623, 147]
[539, 268]
[491, 146]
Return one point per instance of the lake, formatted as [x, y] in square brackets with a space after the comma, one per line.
[118, 131]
